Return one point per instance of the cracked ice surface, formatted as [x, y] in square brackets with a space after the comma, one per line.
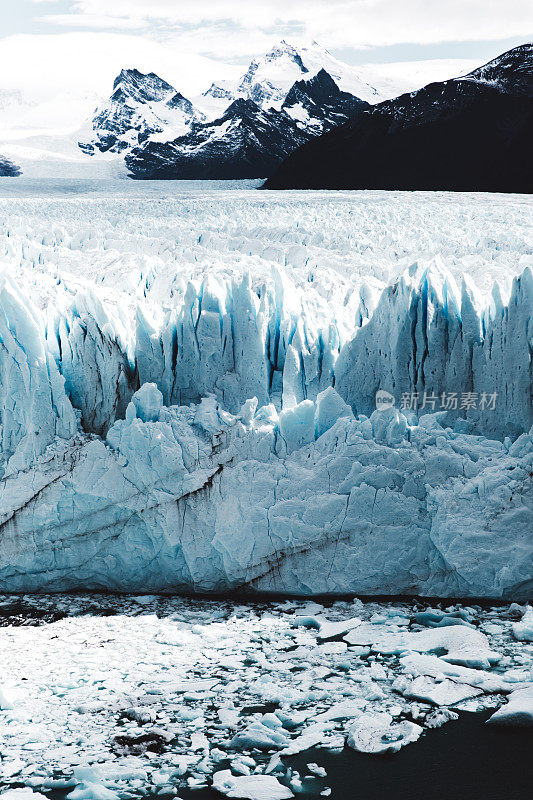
[168, 419]
[149, 695]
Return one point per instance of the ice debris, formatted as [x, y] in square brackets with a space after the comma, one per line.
[253, 787]
[158, 695]
[377, 733]
[523, 629]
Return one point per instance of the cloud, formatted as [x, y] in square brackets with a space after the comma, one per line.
[91, 21]
[225, 25]
[86, 62]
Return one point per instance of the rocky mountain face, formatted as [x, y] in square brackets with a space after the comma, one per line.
[141, 106]
[240, 130]
[248, 141]
[320, 103]
[469, 133]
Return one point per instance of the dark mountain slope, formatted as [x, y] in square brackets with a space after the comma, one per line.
[247, 141]
[471, 134]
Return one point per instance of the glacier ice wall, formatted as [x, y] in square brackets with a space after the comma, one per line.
[421, 335]
[196, 499]
[203, 448]
[427, 336]
[34, 408]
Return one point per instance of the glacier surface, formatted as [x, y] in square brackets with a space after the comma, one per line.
[188, 391]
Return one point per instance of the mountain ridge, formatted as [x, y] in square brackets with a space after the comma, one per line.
[466, 134]
[247, 141]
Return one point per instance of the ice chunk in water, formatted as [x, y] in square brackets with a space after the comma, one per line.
[376, 733]
[250, 787]
[523, 630]
[518, 709]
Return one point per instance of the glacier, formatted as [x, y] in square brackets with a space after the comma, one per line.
[187, 406]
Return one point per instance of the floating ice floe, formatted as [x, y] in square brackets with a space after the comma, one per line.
[90, 786]
[517, 711]
[444, 692]
[253, 787]
[458, 644]
[377, 733]
[436, 667]
[523, 630]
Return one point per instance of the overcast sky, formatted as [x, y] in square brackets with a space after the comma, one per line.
[46, 45]
[356, 30]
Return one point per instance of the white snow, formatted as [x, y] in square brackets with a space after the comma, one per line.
[6, 699]
[22, 794]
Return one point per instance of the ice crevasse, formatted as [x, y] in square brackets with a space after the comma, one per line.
[232, 441]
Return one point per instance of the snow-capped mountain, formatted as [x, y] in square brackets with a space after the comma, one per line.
[245, 142]
[141, 106]
[268, 79]
[469, 133]
[248, 140]
[146, 110]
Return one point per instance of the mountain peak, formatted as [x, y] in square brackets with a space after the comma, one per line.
[143, 87]
[242, 107]
[321, 99]
[142, 105]
[510, 71]
[126, 75]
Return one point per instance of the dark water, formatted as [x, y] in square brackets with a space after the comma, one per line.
[463, 760]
